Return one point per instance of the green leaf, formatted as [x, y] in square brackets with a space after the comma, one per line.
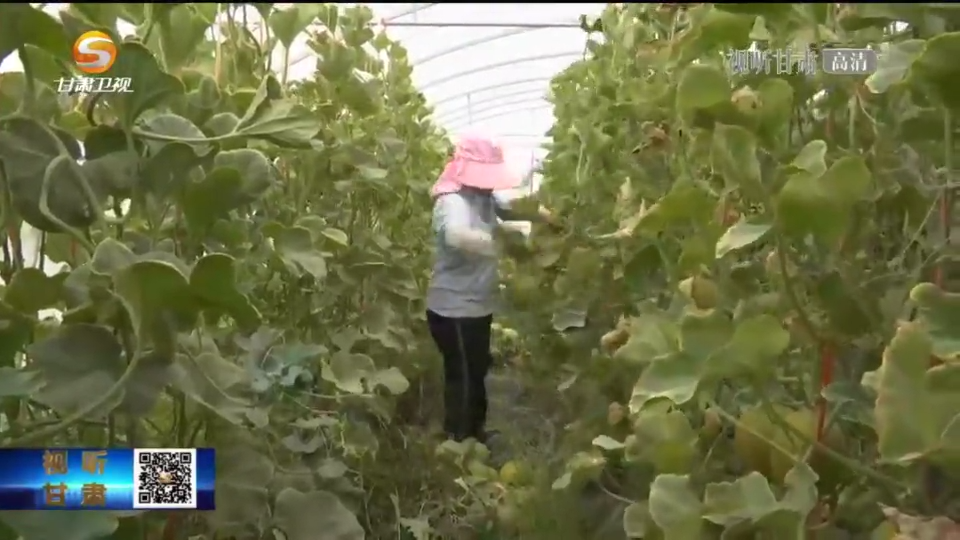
[636, 520]
[78, 363]
[287, 24]
[675, 378]
[753, 349]
[702, 86]
[776, 98]
[759, 31]
[257, 173]
[675, 507]
[749, 499]
[302, 516]
[665, 439]
[244, 474]
[213, 282]
[209, 380]
[894, 64]
[734, 155]
[44, 525]
[27, 150]
[336, 236]
[156, 295]
[110, 257]
[812, 158]
[749, 504]
[150, 86]
[847, 181]
[13, 90]
[372, 174]
[19, 383]
[182, 31]
[295, 246]
[651, 336]
[916, 404]
[21, 24]
[392, 379]
[739, 236]
[935, 69]
[820, 205]
[348, 371]
[938, 311]
[211, 198]
[31, 290]
[281, 122]
[607, 442]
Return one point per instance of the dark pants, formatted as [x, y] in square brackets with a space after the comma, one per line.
[465, 346]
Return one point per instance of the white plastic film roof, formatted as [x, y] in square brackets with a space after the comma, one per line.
[483, 67]
[493, 75]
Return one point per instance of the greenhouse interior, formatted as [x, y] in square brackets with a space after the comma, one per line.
[351, 271]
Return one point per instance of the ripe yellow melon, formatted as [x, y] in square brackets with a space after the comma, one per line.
[712, 424]
[702, 291]
[804, 421]
[750, 439]
[614, 339]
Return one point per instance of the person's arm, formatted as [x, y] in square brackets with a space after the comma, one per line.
[507, 212]
[501, 205]
[452, 219]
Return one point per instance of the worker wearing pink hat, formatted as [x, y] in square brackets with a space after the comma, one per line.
[463, 290]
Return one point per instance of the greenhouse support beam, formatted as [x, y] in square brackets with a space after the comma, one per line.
[482, 114]
[481, 110]
[472, 43]
[417, 8]
[490, 67]
[516, 107]
[476, 91]
[493, 117]
[472, 103]
[484, 25]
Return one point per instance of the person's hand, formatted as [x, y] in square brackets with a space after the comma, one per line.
[547, 217]
[472, 241]
[513, 243]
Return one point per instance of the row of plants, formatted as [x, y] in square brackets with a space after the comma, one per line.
[748, 312]
[243, 258]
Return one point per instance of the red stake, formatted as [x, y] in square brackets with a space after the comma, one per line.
[828, 360]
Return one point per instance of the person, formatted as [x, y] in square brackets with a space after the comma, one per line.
[462, 294]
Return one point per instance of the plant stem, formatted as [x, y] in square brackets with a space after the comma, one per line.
[851, 464]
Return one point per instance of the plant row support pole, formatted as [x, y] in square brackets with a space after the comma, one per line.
[469, 110]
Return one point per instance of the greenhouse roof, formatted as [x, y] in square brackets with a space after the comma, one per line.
[484, 67]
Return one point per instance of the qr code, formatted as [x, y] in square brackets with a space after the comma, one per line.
[164, 478]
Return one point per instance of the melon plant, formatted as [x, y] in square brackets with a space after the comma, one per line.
[766, 250]
[240, 261]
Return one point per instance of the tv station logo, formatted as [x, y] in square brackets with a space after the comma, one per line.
[94, 53]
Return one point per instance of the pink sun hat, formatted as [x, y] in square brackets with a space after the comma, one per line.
[477, 162]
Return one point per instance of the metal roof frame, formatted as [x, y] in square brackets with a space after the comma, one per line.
[497, 65]
[494, 106]
[417, 8]
[525, 106]
[491, 87]
[490, 99]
